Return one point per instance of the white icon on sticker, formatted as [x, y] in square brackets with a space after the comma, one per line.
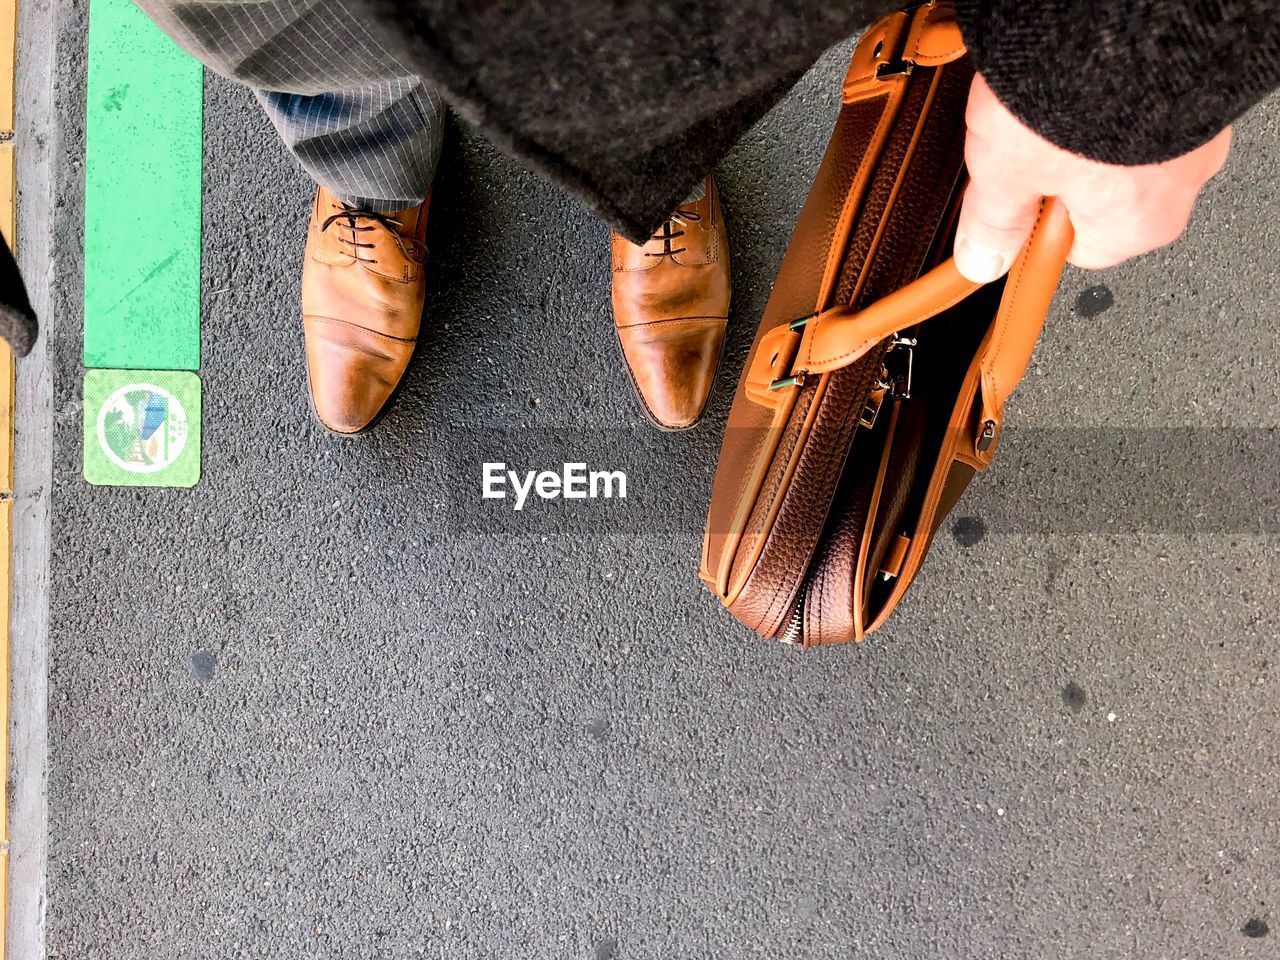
[142, 428]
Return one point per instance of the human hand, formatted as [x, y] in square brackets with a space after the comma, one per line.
[1117, 212]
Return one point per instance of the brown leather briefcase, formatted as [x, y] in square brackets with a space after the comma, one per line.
[876, 386]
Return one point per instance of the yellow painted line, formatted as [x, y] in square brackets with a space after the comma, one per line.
[6, 583]
[8, 226]
[8, 192]
[8, 56]
[6, 430]
[4, 902]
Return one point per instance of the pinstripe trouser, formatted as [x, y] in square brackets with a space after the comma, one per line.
[357, 120]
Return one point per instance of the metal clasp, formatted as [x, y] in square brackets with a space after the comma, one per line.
[895, 68]
[871, 412]
[895, 379]
[795, 380]
[986, 437]
[900, 380]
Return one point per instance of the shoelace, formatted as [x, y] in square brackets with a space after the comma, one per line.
[681, 216]
[353, 216]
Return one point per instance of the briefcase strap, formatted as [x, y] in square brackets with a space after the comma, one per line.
[840, 336]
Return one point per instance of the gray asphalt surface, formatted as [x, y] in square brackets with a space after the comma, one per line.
[305, 710]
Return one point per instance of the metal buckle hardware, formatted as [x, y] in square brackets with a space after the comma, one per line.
[895, 68]
[987, 437]
[800, 322]
[871, 412]
[893, 384]
[900, 384]
[795, 380]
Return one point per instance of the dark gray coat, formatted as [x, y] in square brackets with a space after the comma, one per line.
[629, 102]
[17, 322]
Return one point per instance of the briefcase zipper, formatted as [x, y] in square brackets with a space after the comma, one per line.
[791, 635]
[895, 379]
[894, 383]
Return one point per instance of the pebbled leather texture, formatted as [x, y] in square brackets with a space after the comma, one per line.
[807, 503]
[884, 250]
[754, 430]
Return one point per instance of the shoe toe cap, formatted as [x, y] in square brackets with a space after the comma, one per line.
[674, 365]
[352, 375]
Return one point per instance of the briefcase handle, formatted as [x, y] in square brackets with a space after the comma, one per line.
[837, 337]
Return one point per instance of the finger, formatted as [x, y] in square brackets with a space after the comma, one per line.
[1107, 239]
[1091, 256]
[1119, 213]
[995, 221]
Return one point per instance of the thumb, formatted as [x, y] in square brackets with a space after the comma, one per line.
[995, 221]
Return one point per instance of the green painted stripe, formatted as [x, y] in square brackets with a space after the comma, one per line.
[142, 195]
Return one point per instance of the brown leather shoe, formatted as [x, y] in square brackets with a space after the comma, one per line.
[670, 307]
[362, 294]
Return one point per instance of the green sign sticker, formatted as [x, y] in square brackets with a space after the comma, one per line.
[141, 428]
